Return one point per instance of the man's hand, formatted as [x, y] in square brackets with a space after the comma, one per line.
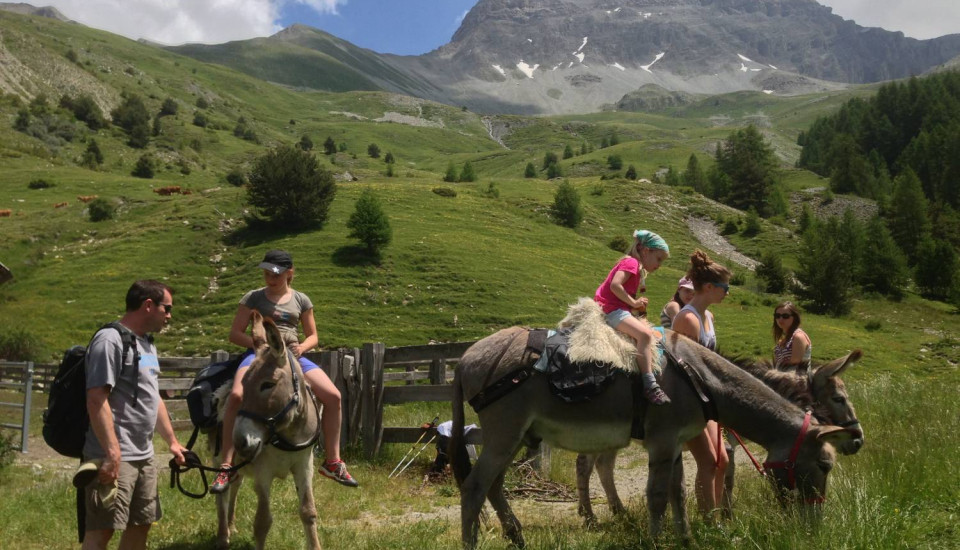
[177, 450]
[110, 468]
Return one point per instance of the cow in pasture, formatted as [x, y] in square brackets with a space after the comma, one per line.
[5, 213]
[86, 198]
[166, 191]
[59, 205]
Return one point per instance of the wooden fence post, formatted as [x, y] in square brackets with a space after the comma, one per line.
[438, 371]
[330, 364]
[27, 403]
[219, 356]
[540, 459]
[371, 361]
[350, 367]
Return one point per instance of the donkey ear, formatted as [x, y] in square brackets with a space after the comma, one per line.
[837, 366]
[273, 337]
[258, 333]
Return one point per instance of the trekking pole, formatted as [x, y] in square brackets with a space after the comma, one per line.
[426, 429]
[414, 457]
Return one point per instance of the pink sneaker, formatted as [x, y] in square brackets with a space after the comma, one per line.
[337, 471]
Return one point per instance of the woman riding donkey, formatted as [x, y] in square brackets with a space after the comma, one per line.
[289, 309]
[617, 296]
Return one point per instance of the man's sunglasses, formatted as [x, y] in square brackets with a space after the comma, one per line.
[167, 308]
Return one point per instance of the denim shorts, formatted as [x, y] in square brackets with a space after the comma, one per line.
[306, 365]
[616, 316]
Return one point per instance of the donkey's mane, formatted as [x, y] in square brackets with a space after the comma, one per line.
[790, 384]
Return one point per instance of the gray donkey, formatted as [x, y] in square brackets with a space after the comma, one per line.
[815, 387]
[799, 447]
[277, 426]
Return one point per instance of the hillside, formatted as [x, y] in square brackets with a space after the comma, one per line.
[459, 267]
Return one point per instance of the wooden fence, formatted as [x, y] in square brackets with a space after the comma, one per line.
[368, 378]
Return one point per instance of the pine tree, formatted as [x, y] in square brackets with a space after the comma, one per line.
[306, 144]
[806, 218]
[369, 224]
[672, 178]
[549, 158]
[567, 152]
[883, 266]
[169, 107]
[566, 205]
[908, 221]
[615, 162]
[693, 176]
[530, 171]
[289, 189]
[824, 272]
[92, 157]
[467, 173]
[751, 167]
[936, 269]
[388, 158]
[373, 150]
[851, 237]
[451, 175]
[771, 272]
[554, 171]
[329, 146]
[631, 173]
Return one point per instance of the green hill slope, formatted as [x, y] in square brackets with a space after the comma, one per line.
[459, 267]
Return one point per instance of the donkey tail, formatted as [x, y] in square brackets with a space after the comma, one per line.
[457, 448]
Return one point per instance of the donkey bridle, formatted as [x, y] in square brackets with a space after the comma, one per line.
[274, 438]
[790, 464]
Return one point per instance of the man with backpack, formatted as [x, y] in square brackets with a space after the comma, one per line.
[125, 409]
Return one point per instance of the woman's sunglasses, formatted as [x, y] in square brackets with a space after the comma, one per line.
[782, 315]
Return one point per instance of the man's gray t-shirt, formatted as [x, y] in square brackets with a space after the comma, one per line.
[133, 422]
[286, 315]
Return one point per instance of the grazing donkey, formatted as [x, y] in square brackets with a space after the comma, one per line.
[816, 388]
[277, 410]
[799, 447]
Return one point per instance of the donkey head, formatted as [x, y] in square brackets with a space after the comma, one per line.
[833, 403]
[267, 389]
[803, 477]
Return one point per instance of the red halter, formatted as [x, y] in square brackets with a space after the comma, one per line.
[790, 464]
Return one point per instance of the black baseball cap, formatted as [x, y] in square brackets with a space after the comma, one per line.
[277, 261]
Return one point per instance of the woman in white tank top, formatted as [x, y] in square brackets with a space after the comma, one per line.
[711, 284]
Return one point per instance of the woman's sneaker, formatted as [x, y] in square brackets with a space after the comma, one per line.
[337, 471]
[656, 395]
[222, 481]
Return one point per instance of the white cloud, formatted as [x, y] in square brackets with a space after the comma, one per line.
[180, 21]
[462, 16]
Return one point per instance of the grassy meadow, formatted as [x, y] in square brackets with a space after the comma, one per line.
[458, 269]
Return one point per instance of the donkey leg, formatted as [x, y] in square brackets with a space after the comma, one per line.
[585, 464]
[303, 478]
[227, 513]
[263, 519]
[494, 459]
[606, 463]
[727, 505]
[509, 521]
[678, 499]
[659, 480]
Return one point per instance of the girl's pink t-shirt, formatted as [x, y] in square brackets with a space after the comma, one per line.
[606, 298]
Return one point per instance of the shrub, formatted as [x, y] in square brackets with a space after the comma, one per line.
[16, 344]
[200, 119]
[466, 173]
[444, 191]
[619, 243]
[597, 190]
[388, 158]
[169, 107]
[306, 144]
[132, 116]
[369, 223]
[567, 210]
[752, 226]
[772, 273]
[451, 175]
[729, 227]
[92, 157]
[39, 184]
[144, 168]
[72, 56]
[101, 209]
[236, 177]
[330, 146]
[738, 278]
[554, 171]
[873, 325]
[86, 110]
[631, 173]
[615, 162]
[491, 191]
[373, 150]
[289, 188]
[202, 103]
[530, 171]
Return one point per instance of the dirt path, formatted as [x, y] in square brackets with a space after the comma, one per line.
[707, 232]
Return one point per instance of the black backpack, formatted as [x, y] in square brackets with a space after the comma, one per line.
[203, 411]
[65, 420]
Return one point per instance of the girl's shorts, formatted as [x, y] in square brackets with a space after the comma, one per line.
[616, 316]
[306, 365]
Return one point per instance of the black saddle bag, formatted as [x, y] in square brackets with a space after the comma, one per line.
[575, 382]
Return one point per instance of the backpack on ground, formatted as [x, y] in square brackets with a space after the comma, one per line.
[200, 403]
[65, 420]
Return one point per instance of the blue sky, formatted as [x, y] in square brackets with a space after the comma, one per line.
[406, 27]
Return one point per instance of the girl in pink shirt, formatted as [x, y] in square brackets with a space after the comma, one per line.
[617, 297]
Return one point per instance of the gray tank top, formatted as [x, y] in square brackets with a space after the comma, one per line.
[708, 338]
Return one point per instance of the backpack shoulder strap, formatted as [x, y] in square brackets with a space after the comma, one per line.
[129, 340]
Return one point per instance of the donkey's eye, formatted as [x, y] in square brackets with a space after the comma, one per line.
[839, 399]
[825, 466]
[267, 386]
